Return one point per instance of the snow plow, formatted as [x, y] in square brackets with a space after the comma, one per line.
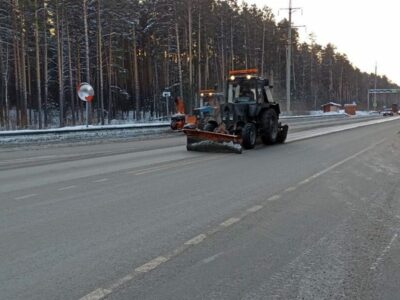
[249, 114]
[207, 112]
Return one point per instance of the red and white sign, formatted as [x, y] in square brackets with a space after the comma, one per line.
[85, 92]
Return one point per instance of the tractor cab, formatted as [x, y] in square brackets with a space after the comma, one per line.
[208, 111]
[244, 86]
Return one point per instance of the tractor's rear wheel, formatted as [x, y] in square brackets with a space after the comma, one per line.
[270, 129]
[249, 136]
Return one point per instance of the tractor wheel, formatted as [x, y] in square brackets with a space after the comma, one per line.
[249, 136]
[269, 123]
[174, 125]
[210, 127]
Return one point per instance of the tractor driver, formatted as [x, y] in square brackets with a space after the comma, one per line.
[245, 92]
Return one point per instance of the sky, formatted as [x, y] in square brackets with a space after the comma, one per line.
[367, 31]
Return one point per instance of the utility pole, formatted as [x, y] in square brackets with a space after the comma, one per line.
[289, 61]
[375, 85]
[86, 28]
[291, 9]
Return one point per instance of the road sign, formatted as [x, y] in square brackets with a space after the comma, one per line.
[166, 94]
[384, 91]
[85, 92]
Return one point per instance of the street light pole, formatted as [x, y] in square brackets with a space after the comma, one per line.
[289, 60]
[376, 73]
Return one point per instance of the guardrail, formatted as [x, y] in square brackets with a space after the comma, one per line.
[84, 129]
[159, 125]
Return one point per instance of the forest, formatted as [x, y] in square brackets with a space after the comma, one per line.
[133, 50]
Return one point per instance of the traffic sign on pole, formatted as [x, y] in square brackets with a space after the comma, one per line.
[86, 93]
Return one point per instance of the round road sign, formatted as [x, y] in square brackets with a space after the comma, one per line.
[85, 92]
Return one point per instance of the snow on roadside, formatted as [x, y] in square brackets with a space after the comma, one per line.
[84, 128]
[76, 135]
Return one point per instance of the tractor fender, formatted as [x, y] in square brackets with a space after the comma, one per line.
[275, 107]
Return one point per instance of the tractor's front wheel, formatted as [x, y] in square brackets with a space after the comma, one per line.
[174, 125]
[270, 128]
[249, 136]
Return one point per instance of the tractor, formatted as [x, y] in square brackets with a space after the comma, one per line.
[248, 114]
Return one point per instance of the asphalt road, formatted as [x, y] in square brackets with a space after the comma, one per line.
[316, 218]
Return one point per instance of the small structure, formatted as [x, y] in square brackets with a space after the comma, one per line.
[331, 107]
[350, 109]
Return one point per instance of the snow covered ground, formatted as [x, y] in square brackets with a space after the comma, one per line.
[82, 134]
[84, 128]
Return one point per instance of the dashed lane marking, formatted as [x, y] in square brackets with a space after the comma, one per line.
[25, 197]
[230, 222]
[122, 281]
[97, 294]
[274, 198]
[101, 180]
[290, 189]
[151, 265]
[67, 188]
[254, 208]
[196, 240]
[212, 258]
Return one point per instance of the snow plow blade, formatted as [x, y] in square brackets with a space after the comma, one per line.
[205, 141]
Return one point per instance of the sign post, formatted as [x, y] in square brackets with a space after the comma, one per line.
[380, 91]
[167, 95]
[86, 94]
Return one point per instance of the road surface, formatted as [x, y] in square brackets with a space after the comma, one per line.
[316, 218]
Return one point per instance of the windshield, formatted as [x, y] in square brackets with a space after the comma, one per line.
[241, 90]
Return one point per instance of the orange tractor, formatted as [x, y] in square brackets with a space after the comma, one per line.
[179, 119]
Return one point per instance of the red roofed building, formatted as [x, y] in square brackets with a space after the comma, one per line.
[331, 107]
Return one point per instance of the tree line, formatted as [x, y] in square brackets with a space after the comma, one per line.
[132, 50]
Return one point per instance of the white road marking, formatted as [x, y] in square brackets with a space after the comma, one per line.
[122, 281]
[212, 258]
[383, 253]
[67, 188]
[230, 222]
[151, 265]
[333, 129]
[196, 240]
[97, 294]
[334, 166]
[290, 189]
[274, 198]
[25, 197]
[255, 208]
[101, 180]
[306, 181]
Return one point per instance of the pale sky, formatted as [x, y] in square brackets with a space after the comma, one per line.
[367, 31]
